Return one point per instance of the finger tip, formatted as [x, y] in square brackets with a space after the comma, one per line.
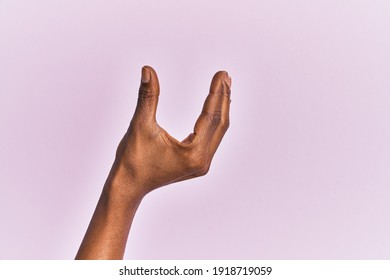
[148, 67]
[229, 81]
[148, 70]
[222, 76]
[145, 75]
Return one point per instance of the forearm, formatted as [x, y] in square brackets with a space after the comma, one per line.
[109, 228]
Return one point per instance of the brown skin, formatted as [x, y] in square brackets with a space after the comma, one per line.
[148, 158]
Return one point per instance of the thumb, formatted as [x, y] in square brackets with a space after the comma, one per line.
[147, 96]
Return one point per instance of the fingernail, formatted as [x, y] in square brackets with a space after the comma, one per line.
[145, 76]
[228, 79]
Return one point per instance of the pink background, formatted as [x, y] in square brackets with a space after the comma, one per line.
[303, 172]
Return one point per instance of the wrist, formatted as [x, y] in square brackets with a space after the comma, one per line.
[120, 191]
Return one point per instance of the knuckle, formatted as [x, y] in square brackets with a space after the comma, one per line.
[228, 93]
[196, 162]
[225, 91]
[225, 124]
[144, 92]
[214, 118]
[204, 170]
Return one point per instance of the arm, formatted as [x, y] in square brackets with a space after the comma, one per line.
[148, 158]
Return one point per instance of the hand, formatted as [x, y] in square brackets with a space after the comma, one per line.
[148, 157]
